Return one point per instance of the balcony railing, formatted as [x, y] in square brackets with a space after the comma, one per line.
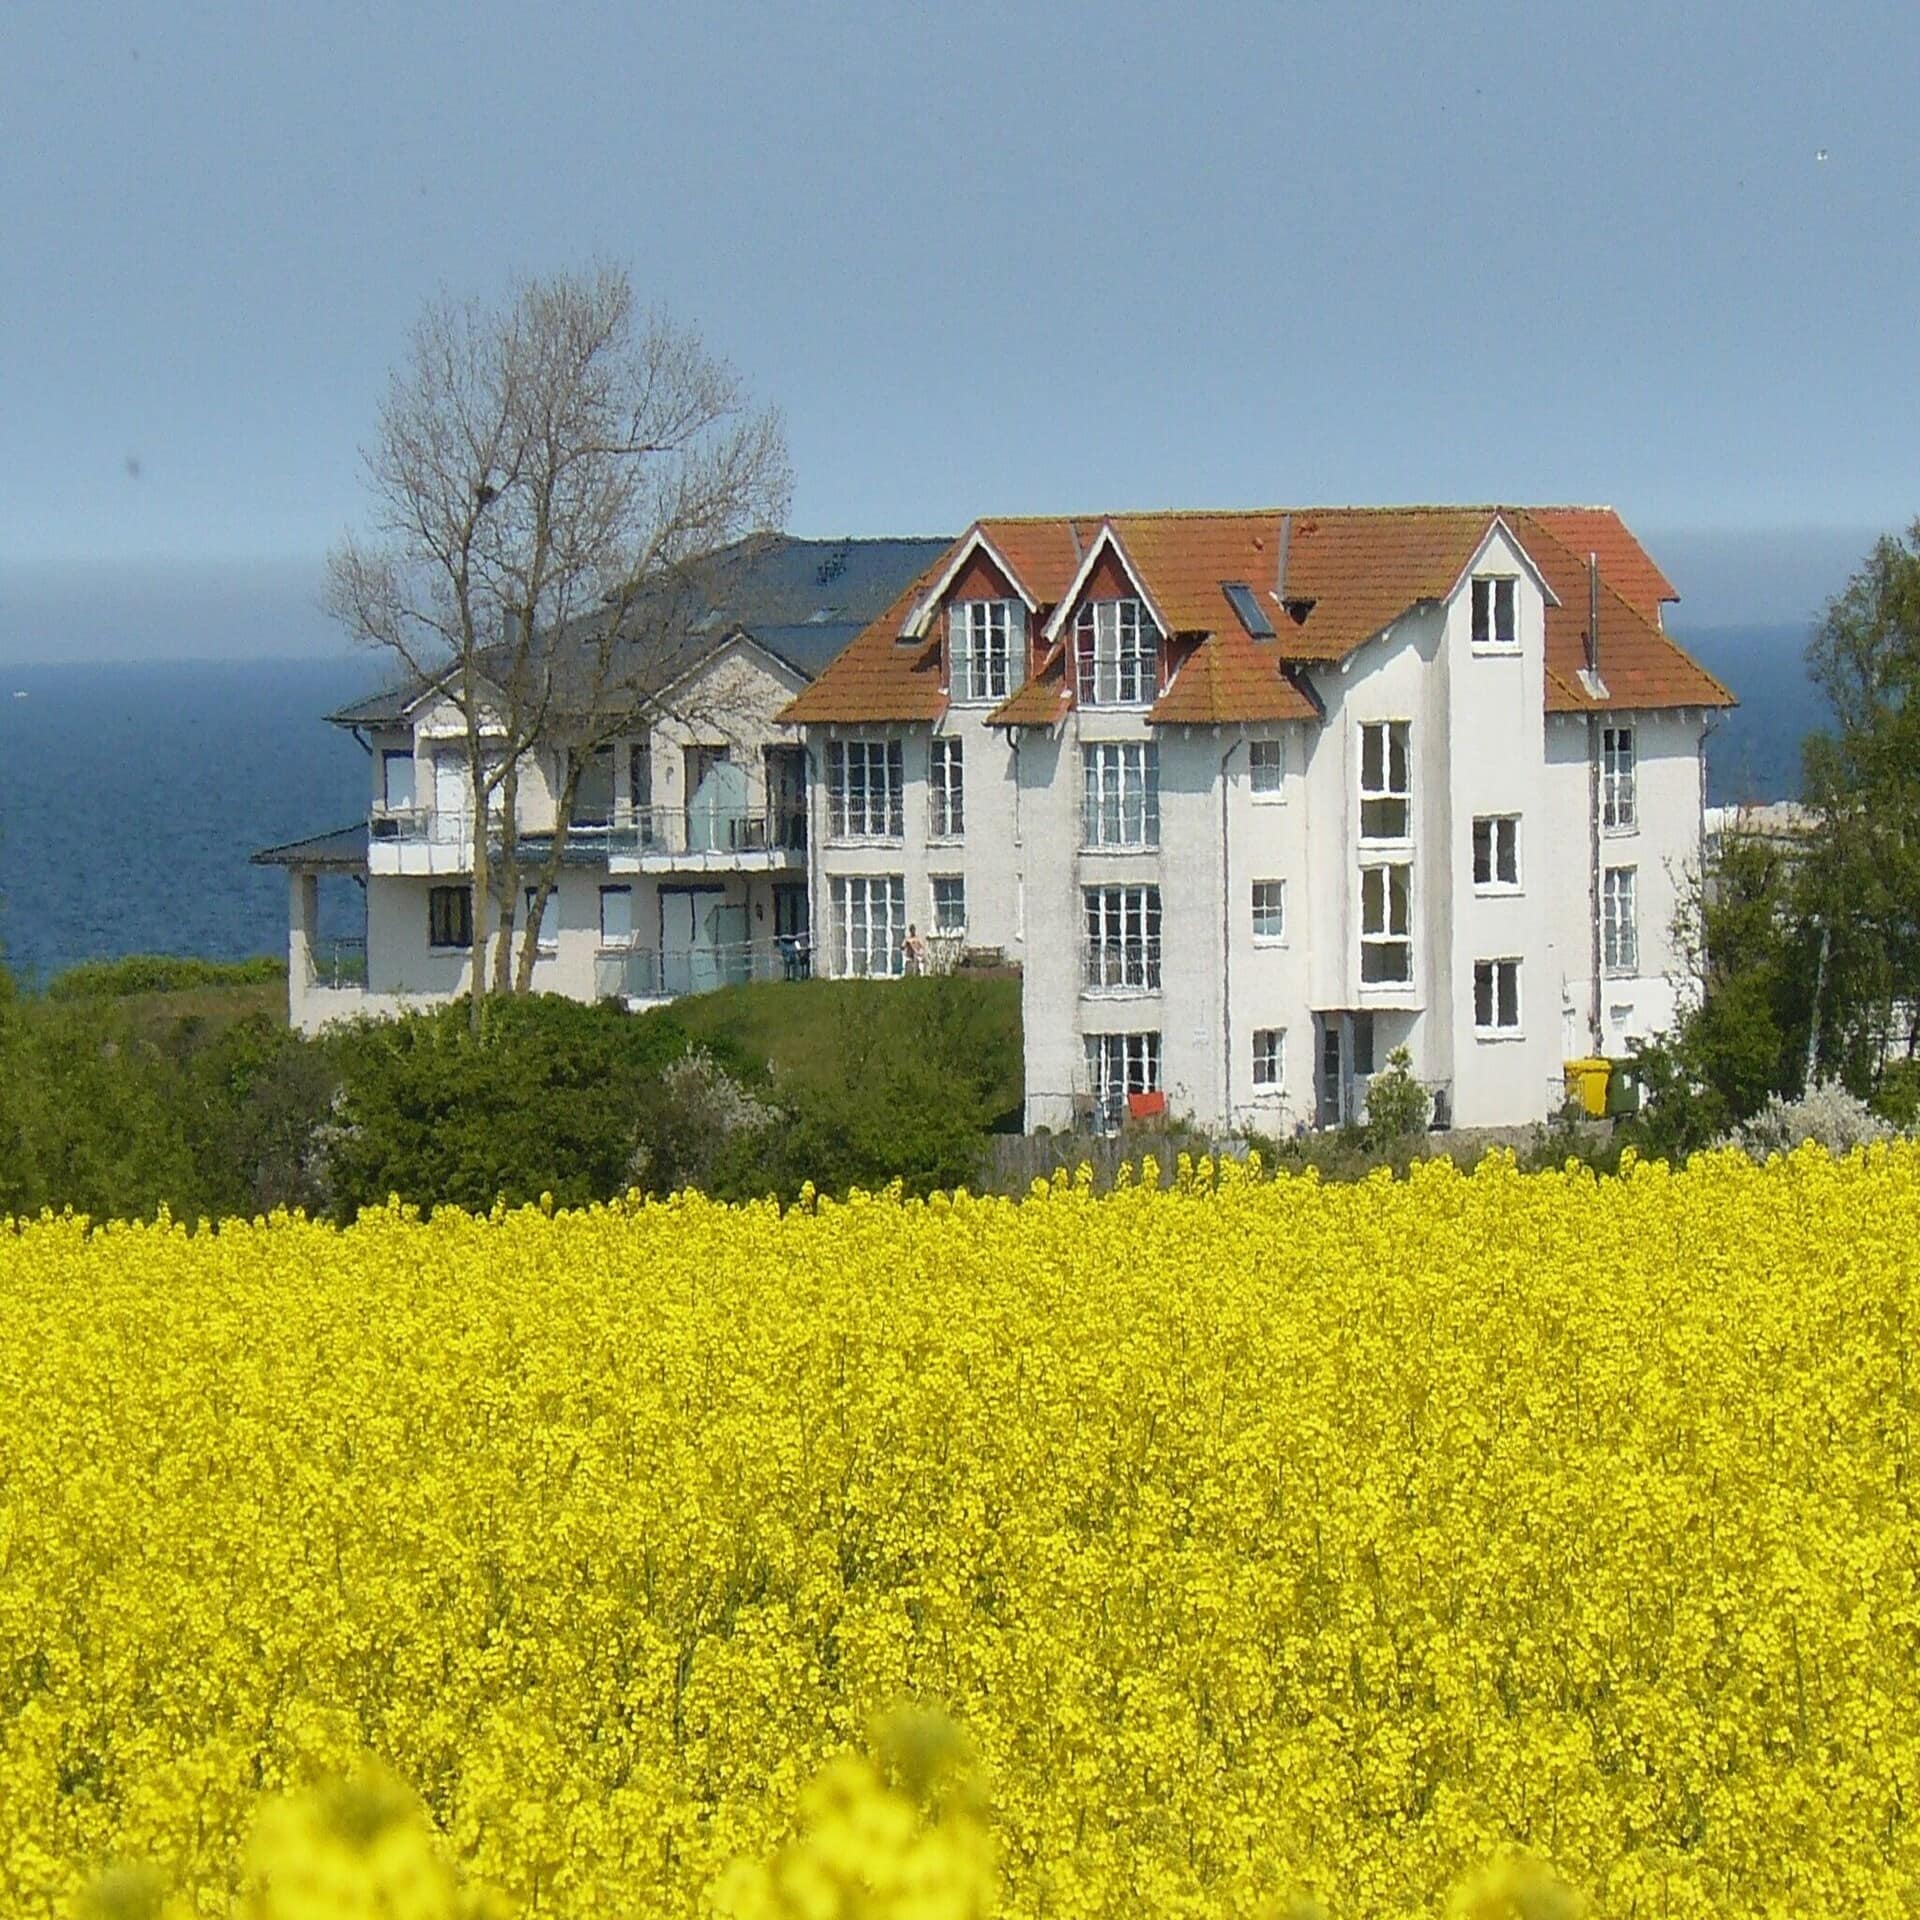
[1120, 966]
[629, 832]
[656, 973]
[337, 962]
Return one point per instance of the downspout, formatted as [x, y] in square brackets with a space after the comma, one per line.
[1226, 949]
[1595, 1032]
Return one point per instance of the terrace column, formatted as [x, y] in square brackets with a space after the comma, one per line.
[303, 919]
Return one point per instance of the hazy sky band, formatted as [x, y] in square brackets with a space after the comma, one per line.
[987, 259]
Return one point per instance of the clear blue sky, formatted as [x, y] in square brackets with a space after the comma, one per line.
[986, 258]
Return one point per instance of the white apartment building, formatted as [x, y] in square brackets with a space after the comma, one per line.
[685, 866]
[1255, 798]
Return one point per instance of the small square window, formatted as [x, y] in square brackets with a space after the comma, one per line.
[1269, 1057]
[1496, 852]
[1496, 996]
[1496, 617]
[1269, 909]
[1266, 765]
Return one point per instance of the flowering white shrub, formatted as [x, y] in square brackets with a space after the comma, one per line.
[1826, 1114]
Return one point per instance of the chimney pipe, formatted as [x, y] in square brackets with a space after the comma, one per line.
[1593, 614]
[1280, 560]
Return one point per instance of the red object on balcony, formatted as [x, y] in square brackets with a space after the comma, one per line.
[1146, 1106]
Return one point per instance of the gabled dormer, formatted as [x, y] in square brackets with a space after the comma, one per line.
[1115, 635]
[983, 616]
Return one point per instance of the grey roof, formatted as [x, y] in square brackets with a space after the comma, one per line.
[801, 599]
[344, 850]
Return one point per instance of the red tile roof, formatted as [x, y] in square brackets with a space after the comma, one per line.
[1349, 573]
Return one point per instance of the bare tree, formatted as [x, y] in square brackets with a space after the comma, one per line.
[549, 478]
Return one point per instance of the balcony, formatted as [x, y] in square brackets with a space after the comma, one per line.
[1119, 966]
[430, 842]
[337, 961]
[657, 973]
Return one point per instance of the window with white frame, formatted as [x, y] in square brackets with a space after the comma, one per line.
[1496, 996]
[984, 639]
[1121, 794]
[1269, 1057]
[1617, 796]
[1266, 765]
[1386, 782]
[1386, 924]
[869, 924]
[548, 940]
[949, 902]
[1496, 613]
[864, 789]
[1619, 924]
[947, 792]
[1123, 939]
[1116, 646]
[1496, 853]
[1119, 1064]
[1270, 910]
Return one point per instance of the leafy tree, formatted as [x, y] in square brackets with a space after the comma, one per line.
[1862, 879]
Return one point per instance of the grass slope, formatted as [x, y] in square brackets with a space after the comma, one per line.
[813, 1031]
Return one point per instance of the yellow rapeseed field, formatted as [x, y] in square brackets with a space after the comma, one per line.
[1263, 1542]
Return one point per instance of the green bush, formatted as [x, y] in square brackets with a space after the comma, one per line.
[159, 973]
[547, 1100]
[1397, 1104]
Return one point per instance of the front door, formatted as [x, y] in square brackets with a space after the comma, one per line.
[703, 940]
[790, 930]
[787, 797]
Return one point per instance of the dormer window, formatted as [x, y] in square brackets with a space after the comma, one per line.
[1116, 647]
[984, 638]
[1496, 613]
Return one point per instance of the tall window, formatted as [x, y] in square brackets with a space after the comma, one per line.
[1496, 996]
[396, 780]
[640, 791]
[616, 916]
[1119, 1064]
[869, 924]
[548, 939]
[1123, 939]
[946, 785]
[1115, 646]
[1121, 804]
[1386, 785]
[1386, 925]
[864, 787]
[1267, 764]
[593, 797]
[1269, 909]
[1616, 778]
[949, 902]
[1619, 924]
[1269, 1057]
[449, 916]
[1496, 622]
[983, 638]
[1496, 852]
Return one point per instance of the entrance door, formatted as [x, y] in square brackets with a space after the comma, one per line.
[703, 940]
[790, 930]
[787, 797]
[450, 795]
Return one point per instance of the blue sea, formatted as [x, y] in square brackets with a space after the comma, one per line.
[132, 795]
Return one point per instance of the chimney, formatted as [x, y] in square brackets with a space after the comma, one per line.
[1593, 614]
[1280, 559]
